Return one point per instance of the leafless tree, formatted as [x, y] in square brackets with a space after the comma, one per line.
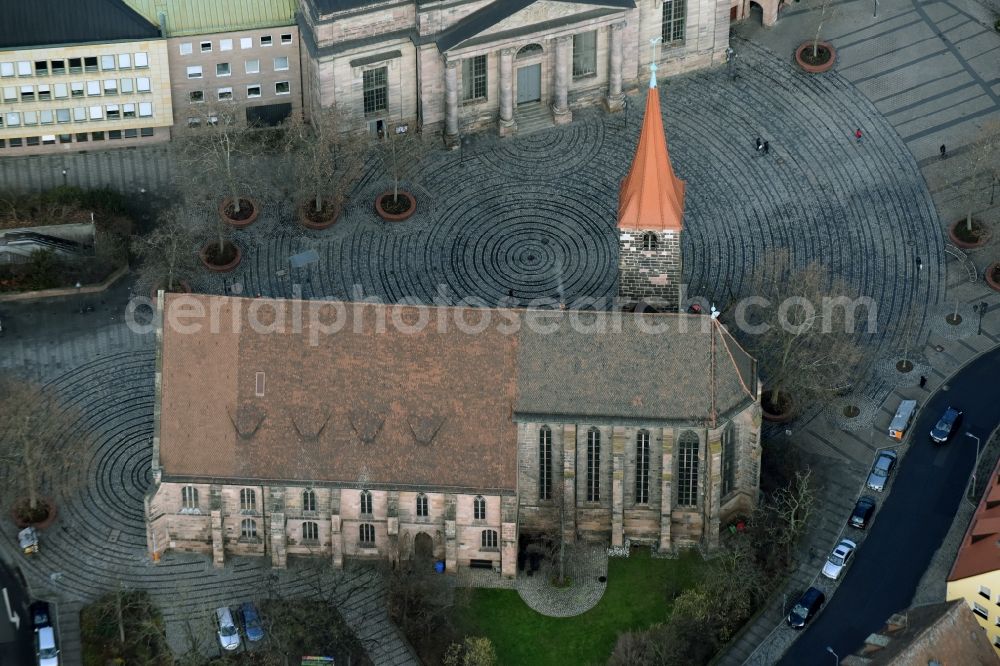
[823, 12]
[400, 151]
[168, 251]
[327, 154]
[802, 329]
[40, 441]
[793, 506]
[126, 622]
[981, 172]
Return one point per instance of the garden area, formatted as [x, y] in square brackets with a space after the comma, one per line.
[640, 592]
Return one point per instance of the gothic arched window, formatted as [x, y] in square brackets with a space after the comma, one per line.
[642, 467]
[479, 508]
[545, 463]
[366, 502]
[649, 241]
[687, 469]
[594, 465]
[308, 500]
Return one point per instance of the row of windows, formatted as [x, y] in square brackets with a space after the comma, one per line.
[187, 48]
[75, 65]
[253, 90]
[79, 114]
[80, 137]
[279, 64]
[687, 466]
[248, 502]
[77, 89]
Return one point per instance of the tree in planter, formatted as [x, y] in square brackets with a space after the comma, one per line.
[167, 252]
[216, 151]
[326, 158]
[400, 153]
[982, 172]
[801, 328]
[824, 8]
[40, 444]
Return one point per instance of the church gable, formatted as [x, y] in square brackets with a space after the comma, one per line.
[544, 11]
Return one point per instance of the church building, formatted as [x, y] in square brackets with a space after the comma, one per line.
[377, 431]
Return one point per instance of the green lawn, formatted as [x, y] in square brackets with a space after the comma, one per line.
[636, 597]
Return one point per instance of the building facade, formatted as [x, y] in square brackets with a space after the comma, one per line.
[460, 66]
[81, 77]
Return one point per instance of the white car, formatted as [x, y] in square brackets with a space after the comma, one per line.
[229, 635]
[839, 559]
[48, 653]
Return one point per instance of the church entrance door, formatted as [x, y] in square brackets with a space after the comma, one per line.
[529, 83]
[423, 547]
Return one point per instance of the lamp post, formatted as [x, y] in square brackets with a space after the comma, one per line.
[974, 465]
[836, 659]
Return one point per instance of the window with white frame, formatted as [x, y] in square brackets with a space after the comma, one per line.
[375, 83]
[265, 40]
[41, 68]
[366, 535]
[225, 45]
[127, 86]
[61, 91]
[980, 611]
[48, 139]
[24, 68]
[62, 115]
[310, 531]
[248, 499]
[488, 540]
[674, 16]
[128, 110]
[96, 113]
[13, 119]
[248, 528]
[421, 505]
[76, 89]
[79, 114]
[107, 62]
[222, 69]
[93, 88]
[142, 84]
[113, 112]
[6, 69]
[253, 91]
[90, 64]
[985, 592]
[225, 93]
[111, 86]
[585, 54]
[44, 93]
[308, 500]
[186, 48]
[286, 38]
[189, 498]
[27, 93]
[46, 117]
[75, 65]
[252, 66]
[474, 78]
[479, 508]
[366, 503]
[30, 117]
[206, 47]
[282, 88]
[124, 61]
[246, 42]
[10, 94]
[194, 72]
[142, 59]
[281, 63]
[58, 66]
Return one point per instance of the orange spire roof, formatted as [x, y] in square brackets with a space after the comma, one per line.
[651, 196]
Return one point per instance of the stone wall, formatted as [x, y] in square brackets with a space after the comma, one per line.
[653, 276]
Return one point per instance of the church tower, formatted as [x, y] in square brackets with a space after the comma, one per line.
[650, 216]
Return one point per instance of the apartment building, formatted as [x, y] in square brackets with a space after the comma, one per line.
[237, 51]
[83, 75]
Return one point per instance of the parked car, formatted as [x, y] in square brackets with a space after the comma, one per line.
[946, 426]
[839, 559]
[48, 653]
[806, 608]
[879, 475]
[251, 622]
[229, 635]
[863, 511]
[40, 616]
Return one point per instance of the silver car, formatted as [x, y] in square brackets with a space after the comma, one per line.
[884, 463]
[229, 635]
[839, 559]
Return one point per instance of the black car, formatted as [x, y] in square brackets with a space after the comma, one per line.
[947, 426]
[40, 616]
[863, 512]
[806, 608]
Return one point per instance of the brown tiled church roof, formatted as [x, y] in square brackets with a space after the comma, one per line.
[980, 549]
[373, 404]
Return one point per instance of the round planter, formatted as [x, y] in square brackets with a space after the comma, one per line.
[316, 226]
[239, 224]
[815, 69]
[392, 217]
[779, 417]
[184, 288]
[51, 518]
[992, 275]
[220, 268]
[967, 245]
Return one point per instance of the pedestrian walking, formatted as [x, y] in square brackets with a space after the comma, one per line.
[944, 151]
[858, 135]
[920, 264]
[767, 148]
[923, 381]
[760, 145]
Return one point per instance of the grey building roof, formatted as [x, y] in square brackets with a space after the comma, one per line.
[605, 366]
[28, 23]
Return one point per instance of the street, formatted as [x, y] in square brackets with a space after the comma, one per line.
[16, 646]
[912, 522]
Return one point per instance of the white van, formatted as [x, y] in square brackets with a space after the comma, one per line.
[48, 654]
[229, 635]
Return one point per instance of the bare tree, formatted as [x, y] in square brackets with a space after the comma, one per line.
[40, 442]
[982, 171]
[327, 154]
[802, 330]
[127, 626]
[400, 151]
[824, 8]
[216, 152]
[167, 252]
[793, 506]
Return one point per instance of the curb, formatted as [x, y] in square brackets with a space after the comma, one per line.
[66, 291]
